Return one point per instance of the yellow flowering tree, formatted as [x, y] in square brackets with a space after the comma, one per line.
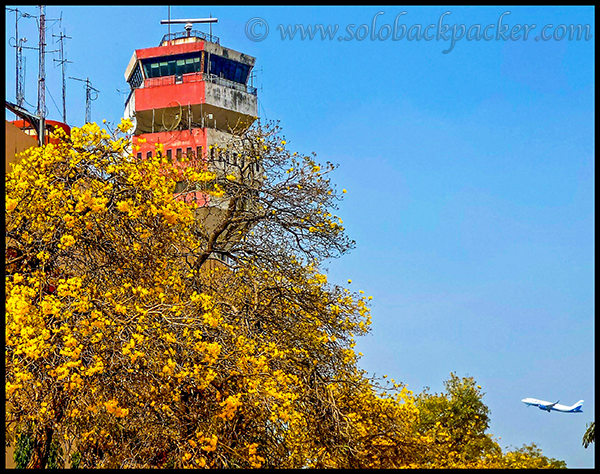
[119, 343]
[269, 202]
[89, 235]
[125, 348]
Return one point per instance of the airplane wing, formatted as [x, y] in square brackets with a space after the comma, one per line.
[548, 406]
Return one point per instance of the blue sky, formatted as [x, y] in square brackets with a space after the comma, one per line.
[470, 178]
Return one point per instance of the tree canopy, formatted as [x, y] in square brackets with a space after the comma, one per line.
[126, 348]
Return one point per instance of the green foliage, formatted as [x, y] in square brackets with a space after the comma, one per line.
[23, 452]
[56, 456]
[530, 456]
[589, 436]
[458, 416]
[75, 460]
[457, 420]
[23, 449]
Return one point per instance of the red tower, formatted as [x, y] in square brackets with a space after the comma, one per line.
[188, 93]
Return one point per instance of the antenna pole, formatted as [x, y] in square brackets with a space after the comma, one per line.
[63, 62]
[88, 97]
[41, 107]
[88, 101]
[20, 74]
[18, 61]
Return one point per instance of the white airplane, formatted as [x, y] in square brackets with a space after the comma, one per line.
[543, 405]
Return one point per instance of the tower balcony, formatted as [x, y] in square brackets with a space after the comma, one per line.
[194, 100]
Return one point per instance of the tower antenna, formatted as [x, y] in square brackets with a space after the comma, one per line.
[189, 23]
[62, 61]
[88, 97]
[41, 108]
[19, 59]
[41, 105]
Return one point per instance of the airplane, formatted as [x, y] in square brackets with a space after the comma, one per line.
[543, 405]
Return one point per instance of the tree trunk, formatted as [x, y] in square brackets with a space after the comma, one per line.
[41, 449]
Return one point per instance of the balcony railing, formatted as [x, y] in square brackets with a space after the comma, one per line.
[197, 77]
[227, 83]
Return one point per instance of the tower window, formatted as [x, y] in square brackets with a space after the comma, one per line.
[136, 78]
[172, 65]
[229, 69]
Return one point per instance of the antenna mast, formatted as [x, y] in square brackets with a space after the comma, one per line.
[63, 62]
[41, 106]
[20, 73]
[88, 97]
[18, 55]
[19, 59]
[41, 110]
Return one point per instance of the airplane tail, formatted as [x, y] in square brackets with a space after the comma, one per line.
[577, 407]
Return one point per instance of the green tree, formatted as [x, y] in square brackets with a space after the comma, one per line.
[458, 420]
[527, 457]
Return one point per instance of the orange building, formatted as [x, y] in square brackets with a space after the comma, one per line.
[21, 135]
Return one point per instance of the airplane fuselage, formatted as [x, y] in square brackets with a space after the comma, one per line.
[549, 406]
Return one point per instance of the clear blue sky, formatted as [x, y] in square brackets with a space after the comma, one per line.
[470, 179]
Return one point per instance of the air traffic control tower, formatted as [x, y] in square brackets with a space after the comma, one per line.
[188, 93]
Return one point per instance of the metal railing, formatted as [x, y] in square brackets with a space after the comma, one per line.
[197, 77]
[227, 83]
[185, 34]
